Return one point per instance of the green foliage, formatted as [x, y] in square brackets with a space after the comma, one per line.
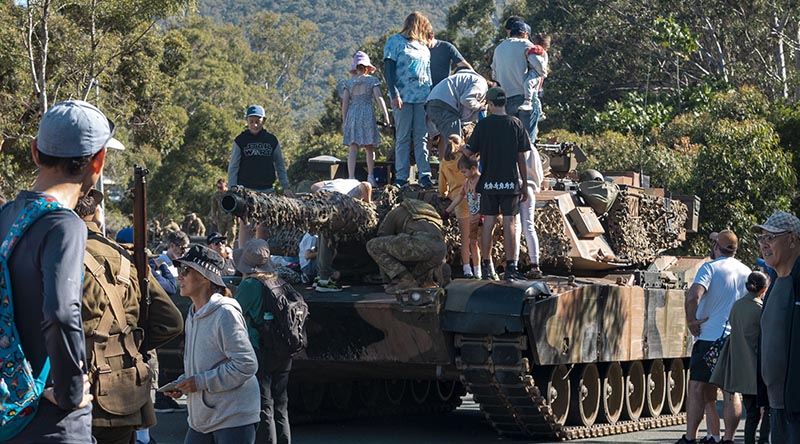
[675, 36]
[632, 115]
[185, 181]
[742, 176]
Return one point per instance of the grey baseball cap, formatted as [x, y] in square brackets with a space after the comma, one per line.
[74, 129]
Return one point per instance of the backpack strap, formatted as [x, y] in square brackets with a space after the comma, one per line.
[114, 310]
[26, 395]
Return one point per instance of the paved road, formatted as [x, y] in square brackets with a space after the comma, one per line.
[464, 426]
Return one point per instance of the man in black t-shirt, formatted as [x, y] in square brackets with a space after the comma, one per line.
[501, 141]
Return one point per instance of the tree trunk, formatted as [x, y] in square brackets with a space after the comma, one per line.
[778, 26]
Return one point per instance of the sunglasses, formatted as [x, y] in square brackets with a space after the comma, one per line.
[769, 237]
[183, 270]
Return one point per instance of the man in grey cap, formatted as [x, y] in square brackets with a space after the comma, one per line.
[46, 279]
[779, 240]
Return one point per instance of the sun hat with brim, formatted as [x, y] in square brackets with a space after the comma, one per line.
[361, 58]
[73, 128]
[253, 258]
[726, 239]
[205, 261]
[778, 222]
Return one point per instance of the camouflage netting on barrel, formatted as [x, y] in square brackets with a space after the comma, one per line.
[338, 216]
[640, 226]
[554, 244]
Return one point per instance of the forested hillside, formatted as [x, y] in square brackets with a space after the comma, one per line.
[343, 26]
[702, 95]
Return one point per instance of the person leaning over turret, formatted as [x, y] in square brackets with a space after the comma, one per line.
[409, 246]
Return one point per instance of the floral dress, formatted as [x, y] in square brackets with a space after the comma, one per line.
[359, 125]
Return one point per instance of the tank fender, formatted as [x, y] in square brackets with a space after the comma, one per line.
[486, 307]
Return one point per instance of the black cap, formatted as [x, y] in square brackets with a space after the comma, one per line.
[496, 94]
[215, 237]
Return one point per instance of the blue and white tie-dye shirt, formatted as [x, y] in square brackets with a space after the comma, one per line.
[413, 67]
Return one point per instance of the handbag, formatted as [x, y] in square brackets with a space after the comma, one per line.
[711, 355]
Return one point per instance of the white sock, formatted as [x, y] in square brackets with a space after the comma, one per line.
[491, 268]
[143, 436]
[717, 438]
[476, 270]
[467, 269]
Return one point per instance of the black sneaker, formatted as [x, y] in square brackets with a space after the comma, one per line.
[426, 182]
[683, 440]
[167, 405]
[513, 275]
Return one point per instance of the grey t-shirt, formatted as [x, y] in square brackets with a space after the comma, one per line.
[46, 270]
[773, 339]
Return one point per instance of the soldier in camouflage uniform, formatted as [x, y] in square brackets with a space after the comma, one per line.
[410, 233]
[225, 223]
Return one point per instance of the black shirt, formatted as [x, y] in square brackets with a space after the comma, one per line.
[499, 140]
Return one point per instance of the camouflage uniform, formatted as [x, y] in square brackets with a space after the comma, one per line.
[224, 222]
[410, 233]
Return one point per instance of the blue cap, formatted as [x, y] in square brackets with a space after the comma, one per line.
[73, 129]
[520, 27]
[255, 110]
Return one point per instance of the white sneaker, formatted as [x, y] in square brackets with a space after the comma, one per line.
[526, 106]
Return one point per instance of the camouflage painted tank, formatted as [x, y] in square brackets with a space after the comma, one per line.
[598, 346]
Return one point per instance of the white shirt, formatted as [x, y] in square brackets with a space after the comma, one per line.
[724, 279]
[306, 243]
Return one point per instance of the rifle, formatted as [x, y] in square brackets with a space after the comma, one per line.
[139, 253]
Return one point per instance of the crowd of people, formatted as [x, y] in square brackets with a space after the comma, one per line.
[742, 323]
[78, 321]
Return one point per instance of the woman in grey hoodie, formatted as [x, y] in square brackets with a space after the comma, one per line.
[219, 363]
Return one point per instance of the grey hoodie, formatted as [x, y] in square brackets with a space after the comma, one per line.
[223, 363]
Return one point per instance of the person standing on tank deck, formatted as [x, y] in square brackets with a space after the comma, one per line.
[256, 160]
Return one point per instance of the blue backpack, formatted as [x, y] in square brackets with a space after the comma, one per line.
[19, 390]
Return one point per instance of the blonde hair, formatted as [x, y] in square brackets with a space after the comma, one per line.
[417, 27]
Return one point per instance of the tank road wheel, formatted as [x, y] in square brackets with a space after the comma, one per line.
[634, 391]
[656, 388]
[312, 396]
[558, 391]
[445, 389]
[676, 386]
[585, 396]
[339, 394]
[420, 390]
[369, 392]
[395, 390]
[612, 393]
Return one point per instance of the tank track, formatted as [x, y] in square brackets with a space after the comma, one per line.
[497, 372]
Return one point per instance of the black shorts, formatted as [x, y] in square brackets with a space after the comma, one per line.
[494, 204]
[697, 366]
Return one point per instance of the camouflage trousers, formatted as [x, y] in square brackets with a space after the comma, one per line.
[228, 229]
[418, 254]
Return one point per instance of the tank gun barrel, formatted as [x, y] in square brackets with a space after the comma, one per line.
[334, 214]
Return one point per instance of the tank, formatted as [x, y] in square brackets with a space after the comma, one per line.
[597, 346]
